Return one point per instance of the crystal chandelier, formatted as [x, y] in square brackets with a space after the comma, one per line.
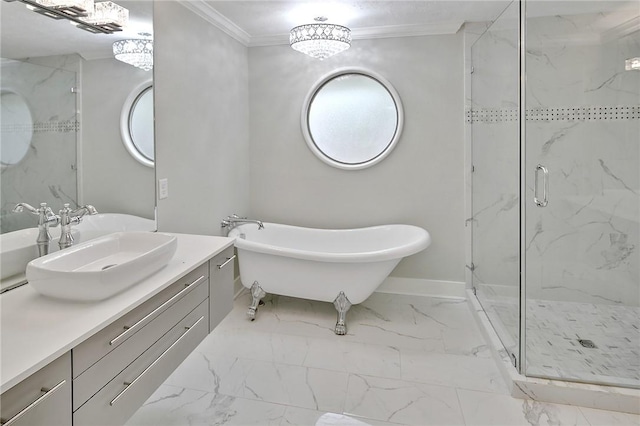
[103, 17]
[320, 40]
[136, 52]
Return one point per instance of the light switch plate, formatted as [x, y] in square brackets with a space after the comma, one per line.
[163, 188]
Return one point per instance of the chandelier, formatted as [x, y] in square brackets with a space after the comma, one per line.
[103, 17]
[136, 52]
[320, 40]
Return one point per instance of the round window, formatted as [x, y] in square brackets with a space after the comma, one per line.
[136, 124]
[17, 128]
[352, 119]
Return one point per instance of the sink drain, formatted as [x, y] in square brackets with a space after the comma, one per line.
[587, 343]
[108, 266]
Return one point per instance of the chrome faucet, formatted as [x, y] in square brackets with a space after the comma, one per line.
[232, 221]
[46, 218]
[70, 217]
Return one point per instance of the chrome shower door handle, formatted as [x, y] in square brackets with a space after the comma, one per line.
[545, 186]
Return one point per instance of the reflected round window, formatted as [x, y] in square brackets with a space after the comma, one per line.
[17, 128]
[137, 124]
[352, 119]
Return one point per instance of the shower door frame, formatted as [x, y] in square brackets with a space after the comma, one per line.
[522, 115]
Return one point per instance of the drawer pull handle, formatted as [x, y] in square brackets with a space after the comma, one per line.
[133, 382]
[47, 394]
[229, 259]
[153, 313]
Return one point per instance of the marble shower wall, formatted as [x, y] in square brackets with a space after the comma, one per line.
[47, 173]
[583, 124]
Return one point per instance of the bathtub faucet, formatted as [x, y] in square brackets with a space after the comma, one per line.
[232, 221]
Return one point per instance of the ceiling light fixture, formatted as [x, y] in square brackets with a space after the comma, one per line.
[320, 40]
[136, 52]
[632, 64]
[96, 17]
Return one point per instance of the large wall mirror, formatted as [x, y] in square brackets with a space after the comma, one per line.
[352, 118]
[65, 92]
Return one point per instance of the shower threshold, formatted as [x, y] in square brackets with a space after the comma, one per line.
[604, 397]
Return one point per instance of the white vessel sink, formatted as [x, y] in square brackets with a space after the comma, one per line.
[102, 267]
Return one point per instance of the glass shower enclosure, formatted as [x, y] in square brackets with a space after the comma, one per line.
[555, 125]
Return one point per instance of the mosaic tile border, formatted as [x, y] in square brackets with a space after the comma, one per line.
[587, 113]
[66, 126]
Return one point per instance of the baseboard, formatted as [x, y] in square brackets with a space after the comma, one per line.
[423, 287]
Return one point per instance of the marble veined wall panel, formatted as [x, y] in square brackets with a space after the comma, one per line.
[584, 246]
[48, 171]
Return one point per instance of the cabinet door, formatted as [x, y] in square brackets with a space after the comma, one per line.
[44, 398]
[121, 397]
[221, 286]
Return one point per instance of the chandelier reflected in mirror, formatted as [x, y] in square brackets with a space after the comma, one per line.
[105, 17]
[137, 52]
[320, 40]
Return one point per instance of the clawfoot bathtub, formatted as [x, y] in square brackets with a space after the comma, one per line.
[341, 266]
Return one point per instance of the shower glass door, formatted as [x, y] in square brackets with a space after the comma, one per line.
[582, 174]
[495, 179]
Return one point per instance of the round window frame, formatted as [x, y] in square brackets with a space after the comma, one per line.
[11, 90]
[304, 120]
[125, 123]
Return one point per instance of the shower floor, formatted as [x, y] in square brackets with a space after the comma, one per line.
[554, 331]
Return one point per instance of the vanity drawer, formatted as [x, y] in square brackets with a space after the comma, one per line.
[96, 376]
[100, 344]
[221, 286]
[44, 398]
[117, 401]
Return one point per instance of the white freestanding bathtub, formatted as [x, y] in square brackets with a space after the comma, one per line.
[341, 266]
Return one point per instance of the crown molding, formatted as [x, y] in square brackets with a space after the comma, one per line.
[211, 15]
[624, 29]
[440, 28]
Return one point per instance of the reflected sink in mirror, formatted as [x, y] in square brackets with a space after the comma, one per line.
[102, 267]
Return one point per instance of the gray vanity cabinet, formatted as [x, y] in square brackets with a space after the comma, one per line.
[107, 377]
[43, 398]
[221, 270]
[130, 358]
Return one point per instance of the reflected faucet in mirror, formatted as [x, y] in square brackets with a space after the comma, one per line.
[70, 217]
[46, 218]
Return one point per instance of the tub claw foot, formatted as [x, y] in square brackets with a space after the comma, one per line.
[257, 293]
[342, 305]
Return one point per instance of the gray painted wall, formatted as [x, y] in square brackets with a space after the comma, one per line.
[202, 121]
[420, 183]
[112, 180]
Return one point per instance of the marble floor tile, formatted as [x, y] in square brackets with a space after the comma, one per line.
[258, 345]
[295, 416]
[465, 372]
[286, 384]
[405, 360]
[490, 409]
[201, 372]
[360, 358]
[609, 418]
[402, 402]
[175, 406]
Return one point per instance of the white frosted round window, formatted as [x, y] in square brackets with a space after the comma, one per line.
[136, 124]
[352, 119]
[17, 128]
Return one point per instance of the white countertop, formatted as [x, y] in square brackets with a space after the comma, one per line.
[35, 330]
